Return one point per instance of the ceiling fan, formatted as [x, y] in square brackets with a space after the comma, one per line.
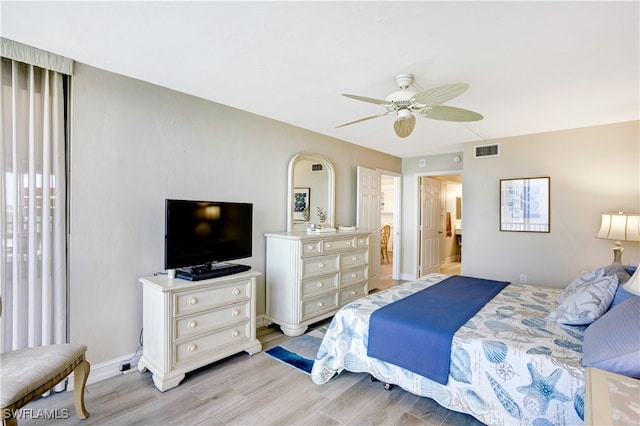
[427, 103]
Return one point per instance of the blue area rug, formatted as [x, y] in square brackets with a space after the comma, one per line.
[299, 352]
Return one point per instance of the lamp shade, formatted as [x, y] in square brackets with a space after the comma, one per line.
[620, 226]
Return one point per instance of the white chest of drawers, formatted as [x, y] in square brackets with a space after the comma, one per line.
[189, 324]
[310, 276]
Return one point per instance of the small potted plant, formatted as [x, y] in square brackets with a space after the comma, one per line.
[322, 215]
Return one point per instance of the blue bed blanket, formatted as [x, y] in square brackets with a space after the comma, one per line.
[416, 332]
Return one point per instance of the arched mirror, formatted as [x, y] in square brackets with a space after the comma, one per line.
[311, 192]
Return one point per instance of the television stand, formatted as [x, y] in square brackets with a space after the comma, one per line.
[212, 270]
[187, 325]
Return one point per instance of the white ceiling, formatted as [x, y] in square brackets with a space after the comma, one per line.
[532, 66]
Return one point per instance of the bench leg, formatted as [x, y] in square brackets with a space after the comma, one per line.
[80, 375]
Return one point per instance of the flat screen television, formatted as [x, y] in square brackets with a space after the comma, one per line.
[199, 235]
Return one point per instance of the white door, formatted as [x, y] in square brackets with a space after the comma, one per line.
[429, 226]
[368, 218]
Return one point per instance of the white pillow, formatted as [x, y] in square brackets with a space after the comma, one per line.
[584, 301]
[633, 285]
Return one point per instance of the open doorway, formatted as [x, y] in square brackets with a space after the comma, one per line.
[441, 223]
[390, 203]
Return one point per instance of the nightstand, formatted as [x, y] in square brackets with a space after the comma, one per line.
[611, 399]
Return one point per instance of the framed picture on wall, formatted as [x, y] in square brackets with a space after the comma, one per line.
[301, 204]
[524, 204]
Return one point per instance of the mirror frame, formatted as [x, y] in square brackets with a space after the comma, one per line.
[292, 225]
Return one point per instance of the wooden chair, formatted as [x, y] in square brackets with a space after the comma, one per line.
[385, 232]
[26, 374]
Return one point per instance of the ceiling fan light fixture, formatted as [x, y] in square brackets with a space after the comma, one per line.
[404, 114]
[403, 128]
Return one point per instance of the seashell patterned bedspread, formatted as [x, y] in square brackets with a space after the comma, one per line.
[509, 364]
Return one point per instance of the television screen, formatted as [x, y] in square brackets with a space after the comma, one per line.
[203, 232]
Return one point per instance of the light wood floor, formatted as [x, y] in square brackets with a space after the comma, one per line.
[387, 281]
[246, 390]
[386, 273]
[451, 268]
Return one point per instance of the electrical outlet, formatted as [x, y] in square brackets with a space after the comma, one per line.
[523, 278]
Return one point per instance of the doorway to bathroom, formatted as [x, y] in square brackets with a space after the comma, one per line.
[441, 224]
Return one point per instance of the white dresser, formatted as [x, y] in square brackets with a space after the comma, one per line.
[189, 324]
[310, 276]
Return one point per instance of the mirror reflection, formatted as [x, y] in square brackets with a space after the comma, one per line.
[310, 198]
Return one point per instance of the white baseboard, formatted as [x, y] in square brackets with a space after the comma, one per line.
[260, 321]
[407, 277]
[108, 369]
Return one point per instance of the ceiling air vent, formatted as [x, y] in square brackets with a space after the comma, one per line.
[482, 151]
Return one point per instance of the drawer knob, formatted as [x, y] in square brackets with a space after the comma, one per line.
[235, 313]
[328, 245]
[193, 300]
[349, 243]
[320, 284]
[192, 324]
[236, 291]
[310, 247]
[320, 304]
[321, 265]
[193, 347]
[235, 333]
[354, 275]
[353, 293]
[354, 258]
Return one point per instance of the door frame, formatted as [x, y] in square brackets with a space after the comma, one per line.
[397, 223]
[417, 218]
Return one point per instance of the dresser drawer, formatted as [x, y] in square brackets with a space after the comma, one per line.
[200, 346]
[352, 275]
[311, 247]
[192, 325]
[353, 259]
[311, 308]
[339, 244]
[199, 300]
[321, 284]
[352, 293]
[319, 265]
[362, 242]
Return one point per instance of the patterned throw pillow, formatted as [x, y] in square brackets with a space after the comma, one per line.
[580, 281]
[584, 301]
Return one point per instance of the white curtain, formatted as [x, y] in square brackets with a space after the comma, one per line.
[33, 129]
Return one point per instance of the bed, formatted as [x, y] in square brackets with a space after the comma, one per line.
[509, 363]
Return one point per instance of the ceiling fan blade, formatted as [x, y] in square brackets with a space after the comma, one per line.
[365, 99]
[448, 113]
[441, 94]
[362, 119]
[404, 128]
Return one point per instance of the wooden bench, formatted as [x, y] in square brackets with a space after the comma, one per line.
[26, 374]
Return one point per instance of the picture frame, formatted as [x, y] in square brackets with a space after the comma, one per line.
[301, 202]
[525, 204]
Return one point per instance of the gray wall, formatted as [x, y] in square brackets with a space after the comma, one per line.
[135, 144]
[593, 170]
